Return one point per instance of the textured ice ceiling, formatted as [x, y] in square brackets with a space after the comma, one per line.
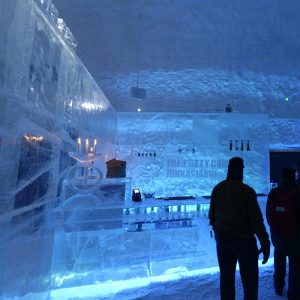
[192, 55]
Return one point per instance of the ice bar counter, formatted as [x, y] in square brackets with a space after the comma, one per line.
[106, 236]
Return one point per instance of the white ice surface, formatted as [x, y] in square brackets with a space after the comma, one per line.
[198, 284]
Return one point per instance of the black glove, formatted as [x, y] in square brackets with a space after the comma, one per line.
[265, 249]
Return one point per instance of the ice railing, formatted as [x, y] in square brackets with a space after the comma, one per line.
[51, 12]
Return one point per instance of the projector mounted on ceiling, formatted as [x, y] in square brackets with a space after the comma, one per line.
[138, 93]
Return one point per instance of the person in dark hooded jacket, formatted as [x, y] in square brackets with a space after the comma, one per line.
[236, 219]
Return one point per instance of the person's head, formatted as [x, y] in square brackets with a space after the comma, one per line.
[288, 175]
[235, 168]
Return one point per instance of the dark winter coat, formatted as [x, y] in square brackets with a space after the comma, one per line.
[235, 210]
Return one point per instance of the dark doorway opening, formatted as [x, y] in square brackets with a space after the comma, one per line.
[282, 159]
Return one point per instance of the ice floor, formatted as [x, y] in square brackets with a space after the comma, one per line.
[199, 284]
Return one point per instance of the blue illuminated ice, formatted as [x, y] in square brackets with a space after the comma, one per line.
[58, 244]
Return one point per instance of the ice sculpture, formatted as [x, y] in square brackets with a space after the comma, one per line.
[48, 99]
[84, 177]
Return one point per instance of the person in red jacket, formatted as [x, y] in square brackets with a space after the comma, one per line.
[236, 219]
[283, 216]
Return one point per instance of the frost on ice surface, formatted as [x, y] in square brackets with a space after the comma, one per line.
[208, 90]
[192, 150]
[43, 86]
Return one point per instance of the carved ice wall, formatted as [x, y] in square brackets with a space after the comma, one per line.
[187, 154]
[284, 134]
[48, 98]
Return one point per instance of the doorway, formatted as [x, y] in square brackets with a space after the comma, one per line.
[280, 159]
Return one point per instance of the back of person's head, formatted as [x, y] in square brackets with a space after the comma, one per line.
[235, 168]
[288, 175]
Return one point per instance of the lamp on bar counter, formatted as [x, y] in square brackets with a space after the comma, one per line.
[136, 195]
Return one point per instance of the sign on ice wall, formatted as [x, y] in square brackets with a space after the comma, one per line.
[187, 154]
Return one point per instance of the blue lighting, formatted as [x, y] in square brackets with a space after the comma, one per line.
[110, 288]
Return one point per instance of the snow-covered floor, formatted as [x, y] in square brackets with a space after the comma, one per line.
[199, 287]
[201, 284]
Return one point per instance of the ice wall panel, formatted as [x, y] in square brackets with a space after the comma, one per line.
[285, 134]
[4, 23]
[87, 257]
[48, 99]
[19, 21]
[176, 250]
[85, 106]
[187, 154]
[20, 277]
[201, 128]
[43, 70]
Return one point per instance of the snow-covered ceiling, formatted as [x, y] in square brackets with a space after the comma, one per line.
[192, 55]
